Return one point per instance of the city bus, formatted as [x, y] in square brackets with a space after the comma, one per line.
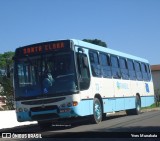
[72, 78]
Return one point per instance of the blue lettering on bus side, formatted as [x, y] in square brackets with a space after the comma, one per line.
[147, 87]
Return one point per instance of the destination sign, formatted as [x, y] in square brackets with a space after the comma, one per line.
[44, 47]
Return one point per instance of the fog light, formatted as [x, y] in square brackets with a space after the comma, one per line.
[25, 109]
[69, 104]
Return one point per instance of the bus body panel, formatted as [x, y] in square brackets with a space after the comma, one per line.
[116, 94]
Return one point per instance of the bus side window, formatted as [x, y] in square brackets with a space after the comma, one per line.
[148, 72]
[132, 74]
[144, 72]
[95, 67]
[138, 70]
[115, 67]
[105, 65]
[123, 67]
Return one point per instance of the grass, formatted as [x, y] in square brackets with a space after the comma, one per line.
[152, 106]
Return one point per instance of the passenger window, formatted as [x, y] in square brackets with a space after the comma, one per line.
[95, 67]
[123, 68]
[138, 70]
[105, 65]
[115, 67]
[144, 72]
[148, 72]
[132, 73]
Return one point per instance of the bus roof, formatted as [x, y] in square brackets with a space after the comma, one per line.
[107, 50]
[92, 46]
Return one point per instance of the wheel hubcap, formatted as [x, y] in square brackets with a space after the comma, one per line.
[138, 105]
[97, 111]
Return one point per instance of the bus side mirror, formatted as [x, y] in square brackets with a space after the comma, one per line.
[81, 50]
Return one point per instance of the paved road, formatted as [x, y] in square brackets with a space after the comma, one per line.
[147, 122]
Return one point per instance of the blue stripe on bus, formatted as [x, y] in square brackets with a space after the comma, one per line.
[85, 107]
[147, 101]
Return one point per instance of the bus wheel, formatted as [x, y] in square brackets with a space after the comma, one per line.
[136, 110]
[44, 124]
[97, 111]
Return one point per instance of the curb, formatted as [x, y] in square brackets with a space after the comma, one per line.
[151, 109]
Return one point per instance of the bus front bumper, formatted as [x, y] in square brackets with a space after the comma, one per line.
[45, 114]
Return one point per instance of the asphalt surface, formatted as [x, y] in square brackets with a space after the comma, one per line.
[143, 126]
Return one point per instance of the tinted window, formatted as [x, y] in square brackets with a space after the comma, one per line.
[132, 74]
[115, 68]
[104, 59]
[122, 63]
[114, 61]
[138, 70]
[137, 66]
[123, 68]
[105, 65]
[94, 57]
[130, 65]
[144, 72]
[148, 72]
[95, 67]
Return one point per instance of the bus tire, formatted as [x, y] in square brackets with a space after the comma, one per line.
[44, 125]
[137, 110]
[97, 111]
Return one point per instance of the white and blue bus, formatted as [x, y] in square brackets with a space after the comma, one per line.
[72, 78]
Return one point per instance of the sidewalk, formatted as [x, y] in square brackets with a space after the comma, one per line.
[8, 120]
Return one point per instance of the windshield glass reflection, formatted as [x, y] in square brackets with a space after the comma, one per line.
[45, 75]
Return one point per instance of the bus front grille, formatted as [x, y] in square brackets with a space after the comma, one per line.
[43, 101]
[45, 116]
[44, 108]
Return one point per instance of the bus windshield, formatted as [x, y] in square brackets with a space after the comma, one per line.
[45, 75]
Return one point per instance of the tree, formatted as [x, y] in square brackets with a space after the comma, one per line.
[7, 91]
[6, 59]
[96, 42]
[6, 63]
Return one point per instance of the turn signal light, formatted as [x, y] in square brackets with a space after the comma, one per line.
[75, 103]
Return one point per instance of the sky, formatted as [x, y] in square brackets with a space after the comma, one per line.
[130, 26]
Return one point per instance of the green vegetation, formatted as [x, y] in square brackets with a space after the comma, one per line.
[96, 42]
[157, 100]
[6, 81]
[7, 91]
[6, 59]
[152, 106]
